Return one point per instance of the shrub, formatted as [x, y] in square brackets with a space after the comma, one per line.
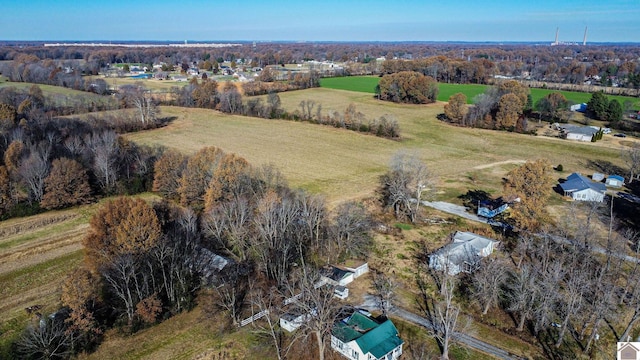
[559, 167]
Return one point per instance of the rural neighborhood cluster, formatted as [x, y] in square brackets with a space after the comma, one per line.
[319, 201]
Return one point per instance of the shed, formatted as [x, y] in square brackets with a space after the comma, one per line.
[358, 268]
[291, 321]
[341, 292]
[615, 181]
[336, 276]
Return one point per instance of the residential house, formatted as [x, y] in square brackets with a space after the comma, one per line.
[291, 321]
[580, 133]
[615, 181]
[463, 253]
[581, 188]
[362, 337]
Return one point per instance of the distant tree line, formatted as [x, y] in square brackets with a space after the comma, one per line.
[209, 95]
[451, 63]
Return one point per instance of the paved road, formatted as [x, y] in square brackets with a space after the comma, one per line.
[462, 338]
[453, 209]
[465, 339]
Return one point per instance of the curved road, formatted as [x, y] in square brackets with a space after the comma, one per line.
[469, 341]
[462, 338]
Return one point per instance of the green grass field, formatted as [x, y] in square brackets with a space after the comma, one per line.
[367, 84]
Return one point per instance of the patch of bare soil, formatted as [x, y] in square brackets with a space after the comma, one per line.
[486, 166]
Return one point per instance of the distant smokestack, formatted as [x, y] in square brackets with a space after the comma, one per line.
[584, 41]
[557, 31]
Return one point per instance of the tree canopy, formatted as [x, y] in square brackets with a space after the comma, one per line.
[408, 87]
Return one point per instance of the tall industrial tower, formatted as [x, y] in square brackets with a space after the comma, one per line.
[584, 41]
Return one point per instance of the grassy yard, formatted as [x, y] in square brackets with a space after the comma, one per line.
[367, 84]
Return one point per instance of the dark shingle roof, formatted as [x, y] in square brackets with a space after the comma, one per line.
[577, 182]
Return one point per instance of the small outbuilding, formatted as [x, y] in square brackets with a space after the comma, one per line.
[336, 276]
[615, 181]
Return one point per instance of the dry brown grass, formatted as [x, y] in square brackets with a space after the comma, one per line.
[184, 336]
[344, 165]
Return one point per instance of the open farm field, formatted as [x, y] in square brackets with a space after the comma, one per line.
[367, 84]
[36, 254]
[344, 165]
[50, 89]
[58, 95]
[151, 84]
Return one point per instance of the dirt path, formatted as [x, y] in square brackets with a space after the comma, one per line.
[486, 166]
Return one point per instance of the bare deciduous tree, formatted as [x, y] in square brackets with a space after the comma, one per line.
[384, 290]
[631, 157]
[105, 149]
[34, 170]
[352, 223]
[521, 294]
[46, 339]
[407, 183]
[487, 283]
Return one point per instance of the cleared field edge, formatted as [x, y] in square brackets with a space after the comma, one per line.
[367, 84]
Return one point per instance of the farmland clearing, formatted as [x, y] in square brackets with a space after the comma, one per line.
[343, 165]
[367, 84]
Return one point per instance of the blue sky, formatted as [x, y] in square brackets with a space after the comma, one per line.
[318, 20]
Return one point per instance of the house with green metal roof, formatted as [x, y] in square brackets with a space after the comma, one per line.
[361, 337]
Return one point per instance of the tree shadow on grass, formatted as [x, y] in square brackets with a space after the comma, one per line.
[473, 197]
[605, 167]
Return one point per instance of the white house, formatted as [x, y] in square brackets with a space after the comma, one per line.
[358, 268]
[463, 254]
[292, 321]
[361, 337]
[580, 188]
[336, 276]
[580, 133]
[615, 181]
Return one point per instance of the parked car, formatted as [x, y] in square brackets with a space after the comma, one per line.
[620, 135]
